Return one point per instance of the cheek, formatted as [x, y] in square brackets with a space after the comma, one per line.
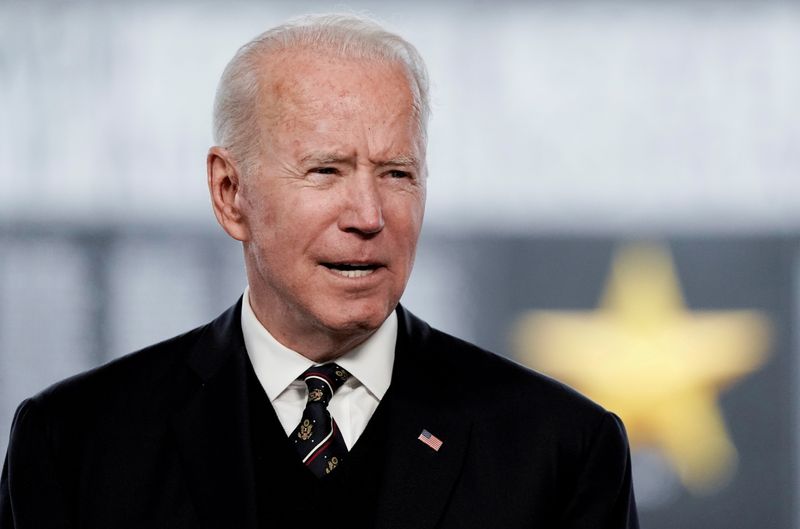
[267, 224]
[407, 212]
[301, 218]
[272, 209]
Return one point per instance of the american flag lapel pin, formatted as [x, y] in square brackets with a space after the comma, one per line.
[431, 440]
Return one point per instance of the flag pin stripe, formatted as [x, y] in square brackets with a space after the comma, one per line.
[431, 440]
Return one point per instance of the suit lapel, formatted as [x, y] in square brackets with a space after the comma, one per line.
[213, 430]
[418, 479]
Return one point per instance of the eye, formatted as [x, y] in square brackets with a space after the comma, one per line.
[324, 170]
[396, 173]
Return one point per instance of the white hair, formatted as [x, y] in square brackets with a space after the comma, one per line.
[238, 93]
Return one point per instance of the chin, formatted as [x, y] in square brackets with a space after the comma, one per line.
[357, 318]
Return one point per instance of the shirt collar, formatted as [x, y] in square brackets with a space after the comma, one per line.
[277, 366]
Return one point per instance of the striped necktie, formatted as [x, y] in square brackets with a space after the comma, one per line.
[317, 438]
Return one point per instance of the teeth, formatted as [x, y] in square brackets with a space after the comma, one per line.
[353, 273]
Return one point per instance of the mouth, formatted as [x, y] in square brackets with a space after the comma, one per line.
[352, 270]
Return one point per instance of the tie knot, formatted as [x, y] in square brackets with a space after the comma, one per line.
[323, 381]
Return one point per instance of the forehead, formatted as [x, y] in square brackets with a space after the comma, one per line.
[308, 81]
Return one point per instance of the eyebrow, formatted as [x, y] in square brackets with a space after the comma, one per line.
[403, 160]
[326, 158]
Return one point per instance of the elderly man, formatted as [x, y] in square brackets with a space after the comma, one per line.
[317, 399]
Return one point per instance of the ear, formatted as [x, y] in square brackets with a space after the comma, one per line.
[224, 187]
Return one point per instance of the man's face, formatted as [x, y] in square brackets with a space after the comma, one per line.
[335, 211]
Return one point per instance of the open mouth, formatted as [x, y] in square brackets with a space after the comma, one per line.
[351, 271]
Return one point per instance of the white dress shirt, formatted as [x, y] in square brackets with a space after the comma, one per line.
[277, 368]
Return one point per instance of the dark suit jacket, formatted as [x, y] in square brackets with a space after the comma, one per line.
[160, 438]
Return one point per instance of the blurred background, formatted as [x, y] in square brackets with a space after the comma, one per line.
[614, 199]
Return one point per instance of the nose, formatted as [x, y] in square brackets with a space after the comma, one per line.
[363, 211]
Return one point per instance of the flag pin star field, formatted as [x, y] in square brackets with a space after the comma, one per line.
[431, 440]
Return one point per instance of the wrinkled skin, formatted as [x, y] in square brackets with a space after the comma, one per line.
[330, 220]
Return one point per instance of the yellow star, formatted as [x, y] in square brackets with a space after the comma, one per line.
[658, 365]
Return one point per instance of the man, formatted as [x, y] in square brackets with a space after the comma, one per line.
[320, 173]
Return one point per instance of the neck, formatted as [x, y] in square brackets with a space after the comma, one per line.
[310, 339]
[322, 348]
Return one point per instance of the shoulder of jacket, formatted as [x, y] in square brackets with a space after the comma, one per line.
[139, 371]
[502, 380]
